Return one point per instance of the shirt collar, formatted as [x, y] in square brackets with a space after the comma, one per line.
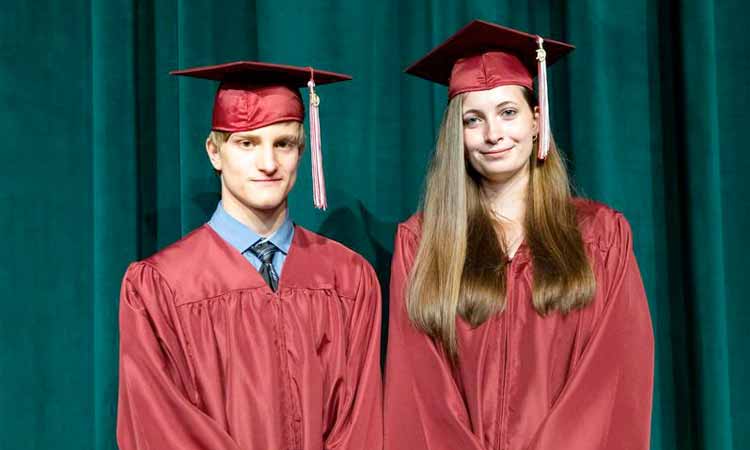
[241, 237]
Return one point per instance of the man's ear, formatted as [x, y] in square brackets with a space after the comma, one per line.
[301, 143]
[213, 154]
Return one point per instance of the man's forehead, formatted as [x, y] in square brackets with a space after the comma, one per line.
[284, 128]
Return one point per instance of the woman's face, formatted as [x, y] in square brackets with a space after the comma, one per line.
[499, 128]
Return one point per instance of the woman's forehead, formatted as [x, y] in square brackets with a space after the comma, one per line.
[493, 97]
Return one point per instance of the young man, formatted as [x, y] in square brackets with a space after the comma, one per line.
[251, 332]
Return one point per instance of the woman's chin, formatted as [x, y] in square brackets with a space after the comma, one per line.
[500, 172]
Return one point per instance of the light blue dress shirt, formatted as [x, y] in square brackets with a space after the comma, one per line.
[241, 237]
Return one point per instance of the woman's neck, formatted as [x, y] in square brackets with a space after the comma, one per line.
[507, 199]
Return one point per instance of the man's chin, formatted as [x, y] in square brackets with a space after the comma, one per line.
[265, 206]
[262, 203]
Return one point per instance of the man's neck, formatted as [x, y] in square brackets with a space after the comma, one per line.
[263, 222]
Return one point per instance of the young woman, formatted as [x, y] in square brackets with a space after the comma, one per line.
[518, 317]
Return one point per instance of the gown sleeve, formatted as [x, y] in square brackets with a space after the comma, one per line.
[424, 409]
[606, 403]
[358, 421]
[154, 406]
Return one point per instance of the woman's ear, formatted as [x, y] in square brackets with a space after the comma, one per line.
[536, 120]
[213, 154]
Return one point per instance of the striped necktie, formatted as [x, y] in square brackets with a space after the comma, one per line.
[265, 250]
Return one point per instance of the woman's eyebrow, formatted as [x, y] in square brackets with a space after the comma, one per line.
[505, 103]
[499, 106]
[473, 111]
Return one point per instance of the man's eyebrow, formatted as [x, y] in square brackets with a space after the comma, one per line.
[287, 137]
[246, 135]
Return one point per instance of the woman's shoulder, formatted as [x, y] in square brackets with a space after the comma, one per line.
[409, 234]
[599, 223]
[412, 225]
[589, 210]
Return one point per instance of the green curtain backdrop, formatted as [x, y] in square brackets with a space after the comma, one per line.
[103, 163]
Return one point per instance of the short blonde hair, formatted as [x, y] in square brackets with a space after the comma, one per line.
[218, 138]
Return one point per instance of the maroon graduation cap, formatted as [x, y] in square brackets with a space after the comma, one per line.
[253, 95]
[483, 55]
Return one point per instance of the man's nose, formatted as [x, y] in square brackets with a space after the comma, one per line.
[266, 161]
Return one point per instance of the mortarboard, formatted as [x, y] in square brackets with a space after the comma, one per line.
[253, 95]
[484, 55]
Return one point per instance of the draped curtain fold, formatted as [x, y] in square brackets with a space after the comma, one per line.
[104, 164]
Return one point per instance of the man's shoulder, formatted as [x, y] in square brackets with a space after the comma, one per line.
[180, 254]
[201, 265]
[197, 259]
[332, 261]
[328, 249]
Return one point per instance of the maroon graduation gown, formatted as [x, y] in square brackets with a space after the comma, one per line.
[526, 382]
[211, 358]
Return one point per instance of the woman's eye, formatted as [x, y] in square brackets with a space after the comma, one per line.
[471, 121]
[283, 144]
[508, 113]
[246, 144]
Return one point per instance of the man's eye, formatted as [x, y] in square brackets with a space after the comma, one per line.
[508, 113]
[285, 144]
[246, 144]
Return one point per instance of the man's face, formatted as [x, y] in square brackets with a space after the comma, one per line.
[258, 167]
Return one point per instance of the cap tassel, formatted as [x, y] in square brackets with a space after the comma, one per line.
[319, 183]
[544, 127]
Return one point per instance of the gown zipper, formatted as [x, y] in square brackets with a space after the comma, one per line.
[292, 414]
[507, 320]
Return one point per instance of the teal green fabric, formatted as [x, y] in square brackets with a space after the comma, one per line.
[104, 164]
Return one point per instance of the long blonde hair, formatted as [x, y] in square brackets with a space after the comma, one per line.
[460, 265]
